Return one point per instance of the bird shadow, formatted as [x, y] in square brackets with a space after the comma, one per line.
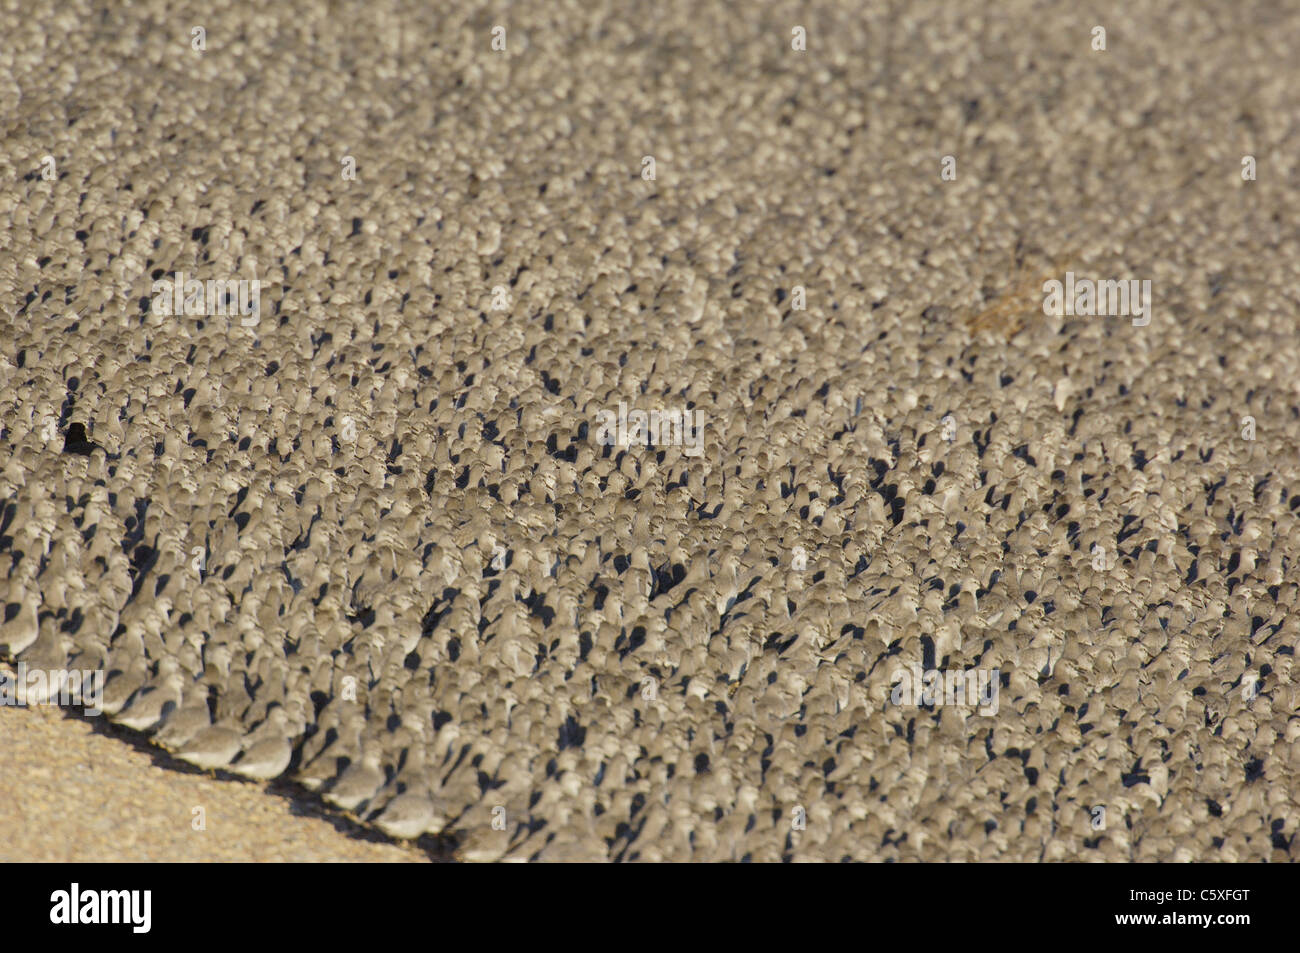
[438, 848]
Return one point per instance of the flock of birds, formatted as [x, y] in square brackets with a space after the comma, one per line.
[370, 545]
